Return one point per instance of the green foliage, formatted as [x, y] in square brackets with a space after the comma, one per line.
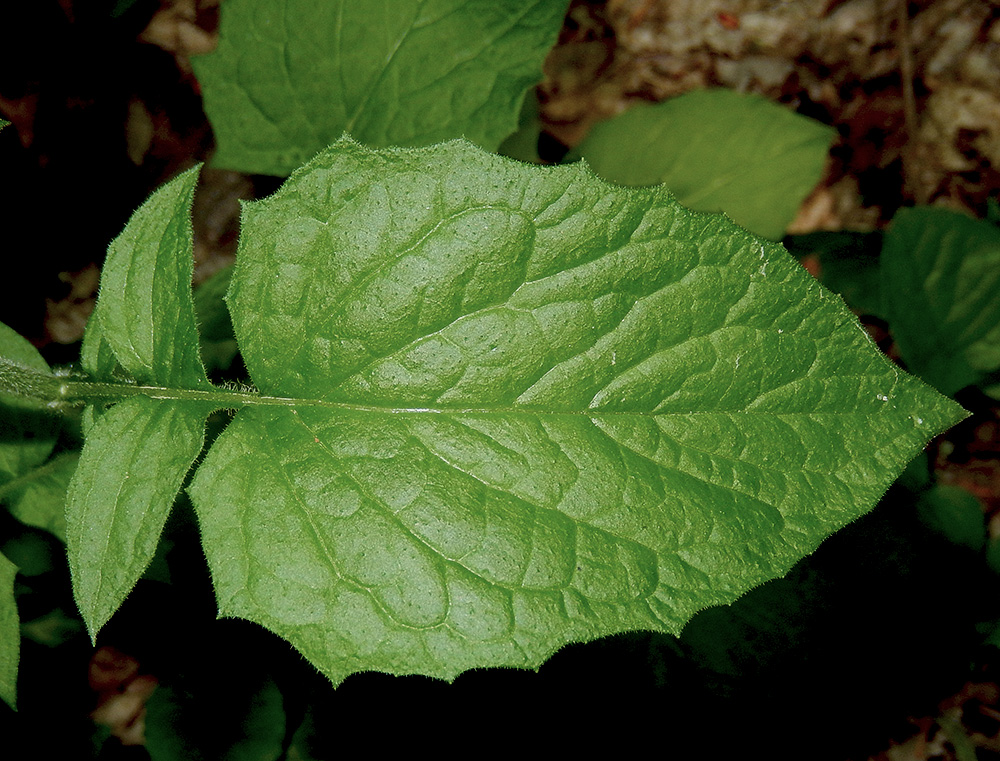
[37, 497]
[139, 451]
[186, 721]
[10, 635]
[941, 276]
[27, 436]
[502, 408]
[290, 76]
[130, 471]
[147, 274]
[717, 150]
[29, 432]
[498, 408]
[10, 638]
[218, 345]
[955, 513]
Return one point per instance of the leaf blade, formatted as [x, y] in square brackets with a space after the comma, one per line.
[147, 274]
[534, 409]
[38, 498]
[129, 473]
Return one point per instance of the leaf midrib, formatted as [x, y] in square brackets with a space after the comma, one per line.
[86, 392]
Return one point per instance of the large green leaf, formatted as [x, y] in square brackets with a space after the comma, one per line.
[502, 408]
[941, 286]
[290, 76]
[510, 407]
[717, 150]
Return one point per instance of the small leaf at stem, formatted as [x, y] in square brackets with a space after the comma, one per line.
[138, 452]
[135, 460]
[146, 278]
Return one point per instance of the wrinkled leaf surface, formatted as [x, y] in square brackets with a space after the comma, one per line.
[532, 409]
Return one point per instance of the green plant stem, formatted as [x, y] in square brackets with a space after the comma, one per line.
[53, 392]
[84, 392]
[74, 392]
[28, 383]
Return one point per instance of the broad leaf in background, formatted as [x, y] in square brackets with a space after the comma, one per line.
[38, 497]
[186, 721]
[941, 286]
[716, 150]
[137, 453]
[290, 76]
[955, 513]
[514, 407]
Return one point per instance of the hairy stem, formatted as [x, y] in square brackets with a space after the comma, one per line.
[28, 383]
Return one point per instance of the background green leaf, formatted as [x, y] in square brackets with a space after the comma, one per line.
[16, 454]
[28, 432]
[218, 344]
[955, 513]
[10, 633]
[533, 409]
[717, 150]
[941, 286]
[38, 497]
[186, 721]
[290, 76]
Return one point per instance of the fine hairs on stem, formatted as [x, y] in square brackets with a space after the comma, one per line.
[28, 383]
